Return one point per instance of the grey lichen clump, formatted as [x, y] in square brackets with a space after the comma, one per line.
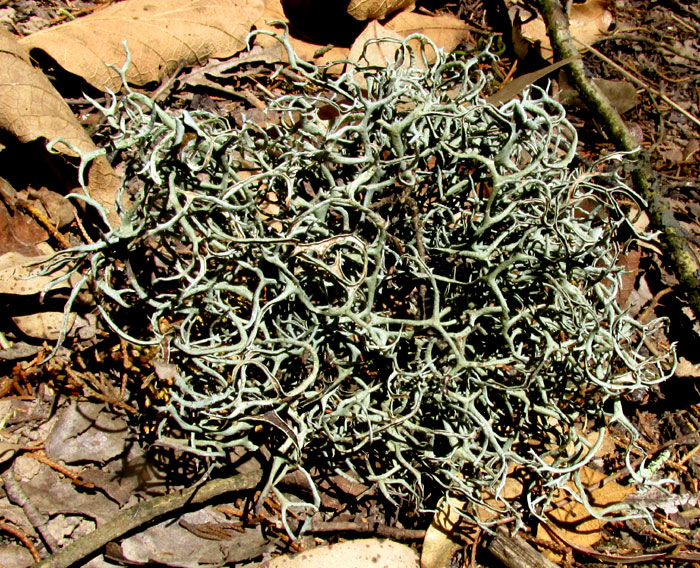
[390, 279]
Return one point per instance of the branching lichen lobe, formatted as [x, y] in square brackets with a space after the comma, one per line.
[415, 289]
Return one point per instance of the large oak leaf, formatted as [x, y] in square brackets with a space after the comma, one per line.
[376, 9]
[447, 32]
[30, 108]
[160, 34]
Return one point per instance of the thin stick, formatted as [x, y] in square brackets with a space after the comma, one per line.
[138, 515]
[22, 537]
[40, 456]
[638, 81]
[44, 221]
[690, 454]
[17, 496]
[379, 529]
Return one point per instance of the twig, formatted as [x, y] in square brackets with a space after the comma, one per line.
[477, 539]
[44, 221]
[515, 552]
[40, 456]
[668, 554]
[138, 515]
[674, 239]
[636, 80]
[394, 533]
[16, 495]
[649, 311]
[20, 535]
[659, 44]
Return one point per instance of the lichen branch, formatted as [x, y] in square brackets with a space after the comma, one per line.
[675, 238]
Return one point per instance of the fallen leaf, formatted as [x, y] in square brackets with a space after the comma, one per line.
[19, 350]
[687, 369]
[571, 522]
[621, 94]
[164, 542]
[53, 494]
[655, 498]
[44, 325]
[691, 148]
[588, 22]
[103, 186]
[15, 555]
[159, 34]
[513, 88]
[57, 208]
[377, 53]
[30, 108]
[308, 51]
[19, 274]
[630, 261]
[318, 54]
[446, 32]
[18, 231]
[86, 431]
[8, 451]
[376, 9]
[446, 534]
[352, 554]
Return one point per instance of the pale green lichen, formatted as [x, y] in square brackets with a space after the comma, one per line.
[401, 283]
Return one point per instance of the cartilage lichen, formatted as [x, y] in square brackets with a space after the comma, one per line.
[396, 280]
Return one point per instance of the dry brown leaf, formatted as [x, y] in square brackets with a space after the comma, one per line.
[380, 53]
[621, 94]
[572, 522]
[588, 22]
[8, 450]
[103, 185]
[305, 50]
[445, 535]
[376, 9]
[160, 34]
[57, 208]
[44, 325]
[630, 261]
[446, 32]
[513, 88]
[30, 108]
[449, 530]
[18, 231]
[317, 54]
[687, 369]
[607, 447]
[18, 274]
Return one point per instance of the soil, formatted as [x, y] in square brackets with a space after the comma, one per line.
[77, 440]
